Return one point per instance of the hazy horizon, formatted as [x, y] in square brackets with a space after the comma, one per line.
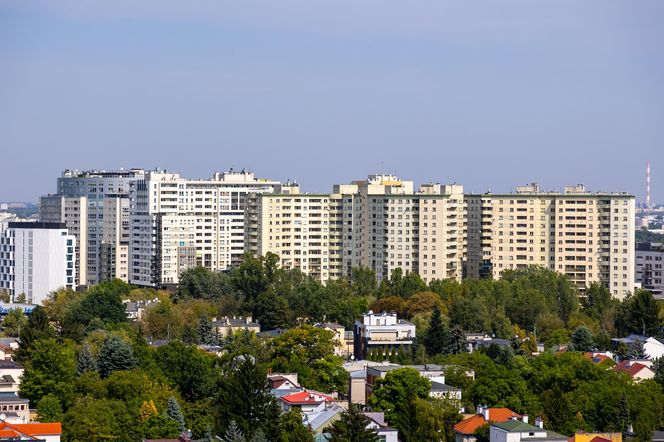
[489, 95]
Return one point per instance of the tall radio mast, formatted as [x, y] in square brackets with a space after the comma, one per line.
[648, 185]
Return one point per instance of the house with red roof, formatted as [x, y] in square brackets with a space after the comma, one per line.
[38, 432]
[306, 401]
[465, 430]
[635, 370]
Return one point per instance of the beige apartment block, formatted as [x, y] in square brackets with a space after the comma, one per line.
[114, 247]
[177, 223]
[293, 225]
[379, 223]
[587, 236]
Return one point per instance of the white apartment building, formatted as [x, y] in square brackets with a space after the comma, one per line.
[650, 267]
[36, 258]
[177, 223]
[95, 186]
[587, 236]
[73, 212]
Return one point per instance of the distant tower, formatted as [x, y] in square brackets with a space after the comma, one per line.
[648, 185]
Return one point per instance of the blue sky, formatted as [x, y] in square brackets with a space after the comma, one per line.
[490, 94]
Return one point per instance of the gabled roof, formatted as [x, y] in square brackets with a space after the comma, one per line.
[595, 359]
[469, 425]
[306, 398]
[629, 367]
[30, 430]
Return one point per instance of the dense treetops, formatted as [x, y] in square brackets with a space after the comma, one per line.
[87, 365]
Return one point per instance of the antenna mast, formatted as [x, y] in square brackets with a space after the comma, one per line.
[648, 185]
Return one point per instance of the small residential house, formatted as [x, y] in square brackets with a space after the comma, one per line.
[464, 431]
[582, 436]
[635, 370]
[36, 432]
[15, 409]
[229, 326]
[10, 376]
[652, 347]
[306, 401]
[343, 347]
[430, 371]
[283, 384]
[515, 430]
[320, 420]
[377, 422]
[384, 333]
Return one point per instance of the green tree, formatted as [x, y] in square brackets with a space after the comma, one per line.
[20, 298]
[291, 428]
[38, 328]
[206, 333]
[638, 313]
[658, 368]
[457, 341]
[397, 389]
[352, 427]
[582, 339]
[98, 420]
[597, 300]
[437, 334]
[85, 360]
[49, 409]
[244, 397]
[50, 370]
[233, 433]
[4, 296]
[271, 311]
[115, 355]
[174, 412]
[14, 321]
[188, 368]
[435, 419]
[363, 281]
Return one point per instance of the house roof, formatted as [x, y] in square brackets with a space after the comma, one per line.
[517, 426]
[278, 380]
[629, 367]
[438, 386]
[306, 398]
[469, 425]
[9, 365]
[318, 420]
[596, 359]
[34, 429]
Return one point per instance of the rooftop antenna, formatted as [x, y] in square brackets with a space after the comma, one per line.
[648, 185]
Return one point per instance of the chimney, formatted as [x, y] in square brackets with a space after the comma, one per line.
[485, 412]
[525, 418]
[539, 423]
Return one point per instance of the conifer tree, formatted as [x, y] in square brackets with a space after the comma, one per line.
[115, 355]
[148, 410]
[352, 427]
[437, 336]
[233, 433]
[85, 361]
[205, 332]
[173, 411]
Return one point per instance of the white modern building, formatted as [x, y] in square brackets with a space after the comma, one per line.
[36, 258]
[382, 332]
[177, 223]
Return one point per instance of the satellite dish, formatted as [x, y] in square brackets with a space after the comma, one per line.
[3, 416]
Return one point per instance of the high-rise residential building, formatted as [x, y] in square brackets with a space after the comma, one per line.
[178, 223]
[587, 236]
[379, 223]
[650, 267]
[73, 212]
[387, 225]
[114, 249]
[36, 258]
[295, 226]
[95, 187]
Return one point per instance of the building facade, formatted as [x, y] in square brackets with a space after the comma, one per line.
[383, 333]
[95, 187]
[649, 262]
[177, 223]
[587, 236]
[35, 259]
